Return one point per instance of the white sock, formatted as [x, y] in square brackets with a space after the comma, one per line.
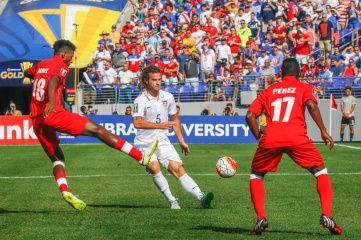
[191, 186]
[163, 186]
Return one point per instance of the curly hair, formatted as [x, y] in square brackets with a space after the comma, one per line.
[145, 76]
[63, 45]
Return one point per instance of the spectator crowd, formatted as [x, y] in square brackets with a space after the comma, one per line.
[225, 46]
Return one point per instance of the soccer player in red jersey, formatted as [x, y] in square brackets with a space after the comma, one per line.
[284, 104]
[48, 117]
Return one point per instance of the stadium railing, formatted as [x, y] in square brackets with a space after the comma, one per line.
[200, 92]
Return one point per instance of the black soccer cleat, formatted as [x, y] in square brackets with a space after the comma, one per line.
[261, 226]
[329, 223]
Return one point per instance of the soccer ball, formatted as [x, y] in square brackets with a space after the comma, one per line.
[226, 167]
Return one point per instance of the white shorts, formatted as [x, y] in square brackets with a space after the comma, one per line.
[302, 59]
[164, 153]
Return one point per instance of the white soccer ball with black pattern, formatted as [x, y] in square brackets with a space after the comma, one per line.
[226, 167]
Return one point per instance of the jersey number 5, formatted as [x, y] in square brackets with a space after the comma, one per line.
[277, 108]
[38, 89]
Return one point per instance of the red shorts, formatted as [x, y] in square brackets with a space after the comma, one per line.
[63, 121]
[267, 159]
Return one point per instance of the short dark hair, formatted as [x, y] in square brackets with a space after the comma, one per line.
[290, 67]
[63, 45]
[348, 87]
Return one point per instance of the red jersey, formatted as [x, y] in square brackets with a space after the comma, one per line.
[42, 73]
[234, 48]
[301, 47]
[284, 104]
[159, 64]
[292, 11]
[172, 67]
[212, 30]
[125, 28]
[280, 30]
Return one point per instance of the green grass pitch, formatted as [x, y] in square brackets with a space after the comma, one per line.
[123, 202]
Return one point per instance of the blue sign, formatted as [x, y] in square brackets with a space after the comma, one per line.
[196, 129]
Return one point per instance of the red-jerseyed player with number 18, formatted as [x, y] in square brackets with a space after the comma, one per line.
[48, 117]
[284, 104]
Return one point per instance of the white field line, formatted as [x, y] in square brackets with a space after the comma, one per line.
[137, 175]
[347, 146]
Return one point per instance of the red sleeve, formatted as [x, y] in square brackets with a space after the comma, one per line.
[257, 105]
[62, 71]
[304, 69]
[309, 94]
[32, 70]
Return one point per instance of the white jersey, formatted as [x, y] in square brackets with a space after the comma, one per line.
[108, 77]
[153, 110]
[223, 51]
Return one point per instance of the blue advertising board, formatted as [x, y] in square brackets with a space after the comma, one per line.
[196, 129]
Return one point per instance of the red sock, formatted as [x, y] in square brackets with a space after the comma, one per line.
[257, 195]
[127, 148]
[61, 181]
[324, 189]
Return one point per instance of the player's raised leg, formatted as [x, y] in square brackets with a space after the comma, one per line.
[143, 157]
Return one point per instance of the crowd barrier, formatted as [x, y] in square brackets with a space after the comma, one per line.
[196, 129]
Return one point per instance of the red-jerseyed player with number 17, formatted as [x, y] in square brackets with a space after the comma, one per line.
[48, 117]
[284, 104]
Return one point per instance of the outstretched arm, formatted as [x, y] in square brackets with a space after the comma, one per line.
[316, 116]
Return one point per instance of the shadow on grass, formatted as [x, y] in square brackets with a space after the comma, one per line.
[4, 211]
[247, 231]
[222, 229]
[120, 206]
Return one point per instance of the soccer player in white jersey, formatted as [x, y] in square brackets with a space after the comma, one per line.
[150, 116]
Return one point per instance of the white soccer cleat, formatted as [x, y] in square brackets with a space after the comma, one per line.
[174, 204]
[147, 153]
[73, 201]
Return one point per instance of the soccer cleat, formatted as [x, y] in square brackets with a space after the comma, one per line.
[207, 199]
[329, 223]
[74, 201]
[261, 226]
[147, 153]
[174, 204]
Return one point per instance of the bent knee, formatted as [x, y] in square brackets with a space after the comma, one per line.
[176, 168]
[153, 167]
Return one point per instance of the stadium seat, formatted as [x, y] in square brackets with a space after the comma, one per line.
[329, 84]
[229, 91]
[171, 89]
[199, 91]
[357, 92]
[245, 87]
[345, 36]
[185, 93]
[337, 92]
